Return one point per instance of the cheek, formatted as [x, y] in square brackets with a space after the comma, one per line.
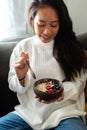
[56, 31]
[37, 30]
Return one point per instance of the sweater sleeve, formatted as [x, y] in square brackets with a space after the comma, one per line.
[14, 83]
[72, 90]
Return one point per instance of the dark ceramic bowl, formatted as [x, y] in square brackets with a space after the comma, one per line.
[48, 89]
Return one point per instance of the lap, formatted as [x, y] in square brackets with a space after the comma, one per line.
[12, 121]
[71, 124]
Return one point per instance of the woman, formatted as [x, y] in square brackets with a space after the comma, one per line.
[53, 52]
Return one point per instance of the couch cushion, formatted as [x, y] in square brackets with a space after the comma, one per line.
[8, 99]
[83, 40]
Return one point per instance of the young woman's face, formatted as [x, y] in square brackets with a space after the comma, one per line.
[46, 24]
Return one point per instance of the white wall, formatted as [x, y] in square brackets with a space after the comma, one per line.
[78, 12]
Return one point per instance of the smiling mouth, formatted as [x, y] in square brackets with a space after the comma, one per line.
[46, 38]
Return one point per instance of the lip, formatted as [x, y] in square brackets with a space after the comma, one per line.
[45, 39]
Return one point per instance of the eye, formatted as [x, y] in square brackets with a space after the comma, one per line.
[54, 25]
[41, 24]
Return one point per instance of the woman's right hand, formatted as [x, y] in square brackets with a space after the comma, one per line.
[21, 65]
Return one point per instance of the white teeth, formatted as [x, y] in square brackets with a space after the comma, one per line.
[46, 37]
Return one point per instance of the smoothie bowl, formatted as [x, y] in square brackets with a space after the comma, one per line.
[48, 89]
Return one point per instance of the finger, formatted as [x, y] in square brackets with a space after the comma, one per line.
[22, 54]
[61, 97]
[25, 55]
[21, 62]
[48, 102]
[38, 99]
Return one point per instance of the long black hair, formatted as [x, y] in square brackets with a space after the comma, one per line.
[67, 49]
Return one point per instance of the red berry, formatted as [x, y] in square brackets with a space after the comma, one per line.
[50, 90]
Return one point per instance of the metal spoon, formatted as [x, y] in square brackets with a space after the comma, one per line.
[32, 72]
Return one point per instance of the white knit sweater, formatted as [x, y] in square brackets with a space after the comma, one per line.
[39, 115]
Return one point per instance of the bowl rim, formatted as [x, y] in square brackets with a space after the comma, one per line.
[42, 80]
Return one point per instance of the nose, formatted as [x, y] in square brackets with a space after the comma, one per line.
[47, 30]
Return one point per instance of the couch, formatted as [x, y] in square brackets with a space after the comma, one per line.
[8, 98]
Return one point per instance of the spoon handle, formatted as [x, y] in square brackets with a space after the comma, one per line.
[32, 72]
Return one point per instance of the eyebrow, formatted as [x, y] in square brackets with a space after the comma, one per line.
[50, 22]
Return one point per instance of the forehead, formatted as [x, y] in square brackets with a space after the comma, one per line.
[47, 14]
